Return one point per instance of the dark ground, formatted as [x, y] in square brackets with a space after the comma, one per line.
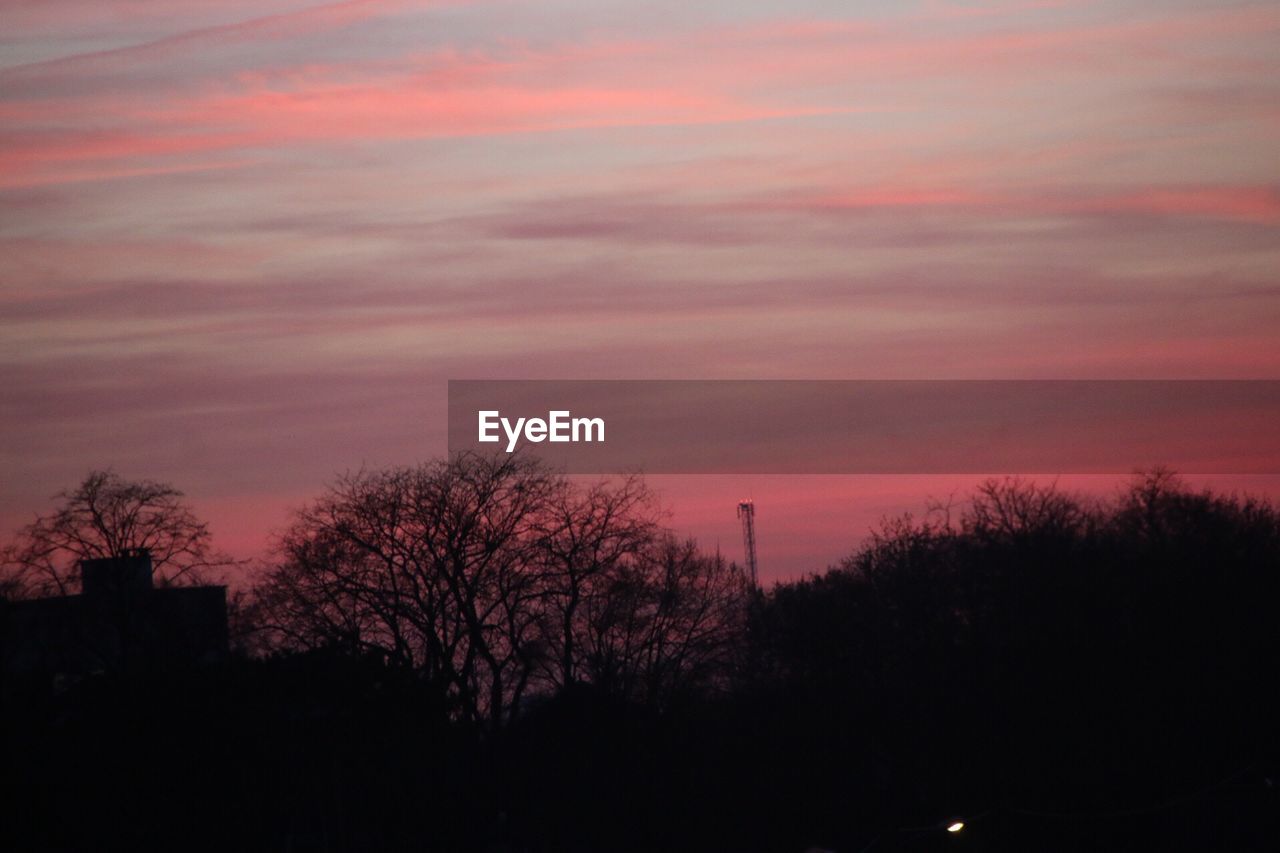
[1061, 686]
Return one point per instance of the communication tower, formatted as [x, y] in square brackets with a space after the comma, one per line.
[747, 512]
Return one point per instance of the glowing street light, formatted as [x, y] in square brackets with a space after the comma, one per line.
[952, 826]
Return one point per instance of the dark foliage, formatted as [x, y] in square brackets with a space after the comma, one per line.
[1063, 675]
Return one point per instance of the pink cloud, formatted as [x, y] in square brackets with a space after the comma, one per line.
[719, 75]
[1243, 203]
[259, 291]
[1257, 204]
[286, 24]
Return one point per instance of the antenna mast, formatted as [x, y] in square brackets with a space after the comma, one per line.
[747, 512]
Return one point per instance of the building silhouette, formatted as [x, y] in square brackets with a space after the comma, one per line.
[120, 621]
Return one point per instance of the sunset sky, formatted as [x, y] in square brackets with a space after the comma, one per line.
[243, 245]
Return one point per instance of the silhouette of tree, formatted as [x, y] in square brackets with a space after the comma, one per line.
[666, 624]
[584, 538]
[493, 577]
[1013, 507]
[1061, 673]
[1038, 648]
[429, 566]
[107, 516]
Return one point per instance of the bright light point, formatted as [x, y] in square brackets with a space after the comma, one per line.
[956, 826]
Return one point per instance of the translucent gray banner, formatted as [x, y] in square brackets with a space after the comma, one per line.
[873, 426]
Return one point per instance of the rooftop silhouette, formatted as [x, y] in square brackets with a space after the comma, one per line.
[120, 621]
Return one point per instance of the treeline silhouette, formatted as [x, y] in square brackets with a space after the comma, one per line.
[497, 582]
[479, 654]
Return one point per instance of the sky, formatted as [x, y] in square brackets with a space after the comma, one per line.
[244, 245]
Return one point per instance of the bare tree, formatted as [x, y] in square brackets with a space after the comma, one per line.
[667, 623]
[585, 538]
[1012, 507]
[495, 579]
[107, 516]
[1154, 499]
[432, 566]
